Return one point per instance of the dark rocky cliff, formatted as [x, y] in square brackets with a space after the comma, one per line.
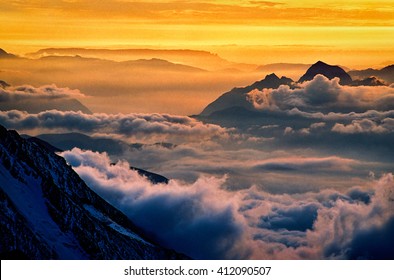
[48, 212]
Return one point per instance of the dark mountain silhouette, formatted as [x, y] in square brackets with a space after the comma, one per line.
[386, 73]
[48, 212]
[3, 84]
[365, 73]
[4, 54]
[270, 81]
[371, 81]
[388, 69]
[237, 96]
[153, 177]
[328, 71]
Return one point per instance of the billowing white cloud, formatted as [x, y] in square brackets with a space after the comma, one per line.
[119, 125]
[204, 220]
[336, 227]
[331, 116]
[365, 126]
[197, 219]
[324, 95]
[323, 106]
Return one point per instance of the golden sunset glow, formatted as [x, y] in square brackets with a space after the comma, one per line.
[359, 32]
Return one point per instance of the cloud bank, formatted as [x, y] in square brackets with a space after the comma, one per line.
[205, 221]
[347, 121]
[324, 95]
[117, 125]
[366, 126]
[18, 93]
[36, 99]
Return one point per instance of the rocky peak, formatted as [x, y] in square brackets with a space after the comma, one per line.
[48, 212]
[329, 71]
[4, 54]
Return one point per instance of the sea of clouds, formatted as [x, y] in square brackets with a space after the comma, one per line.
[205, 221]
[311, 179]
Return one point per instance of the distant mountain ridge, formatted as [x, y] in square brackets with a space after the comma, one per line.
[370, 81]
[386, 73]
[194, 58]
[156, 62]
[48, 212]
[142, 63]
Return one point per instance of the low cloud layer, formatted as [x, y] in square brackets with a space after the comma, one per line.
[197, 219]
[204, 220]
[18, 93]
[306, 164]
[36, 99]
[324, 95]
[117, 125]
[321, 114]
[366, 126]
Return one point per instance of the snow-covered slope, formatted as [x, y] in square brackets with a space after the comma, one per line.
[48, 212]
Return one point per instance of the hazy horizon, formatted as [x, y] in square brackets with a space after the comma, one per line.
[351, 33]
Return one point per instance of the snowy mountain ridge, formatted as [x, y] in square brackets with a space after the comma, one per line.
[48, 212]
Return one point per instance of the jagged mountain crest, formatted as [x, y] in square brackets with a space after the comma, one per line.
[237, 96]
[329, 71]
[270, 81]
[48, 212]
[4, 54]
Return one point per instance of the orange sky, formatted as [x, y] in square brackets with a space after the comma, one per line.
[344, 32]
